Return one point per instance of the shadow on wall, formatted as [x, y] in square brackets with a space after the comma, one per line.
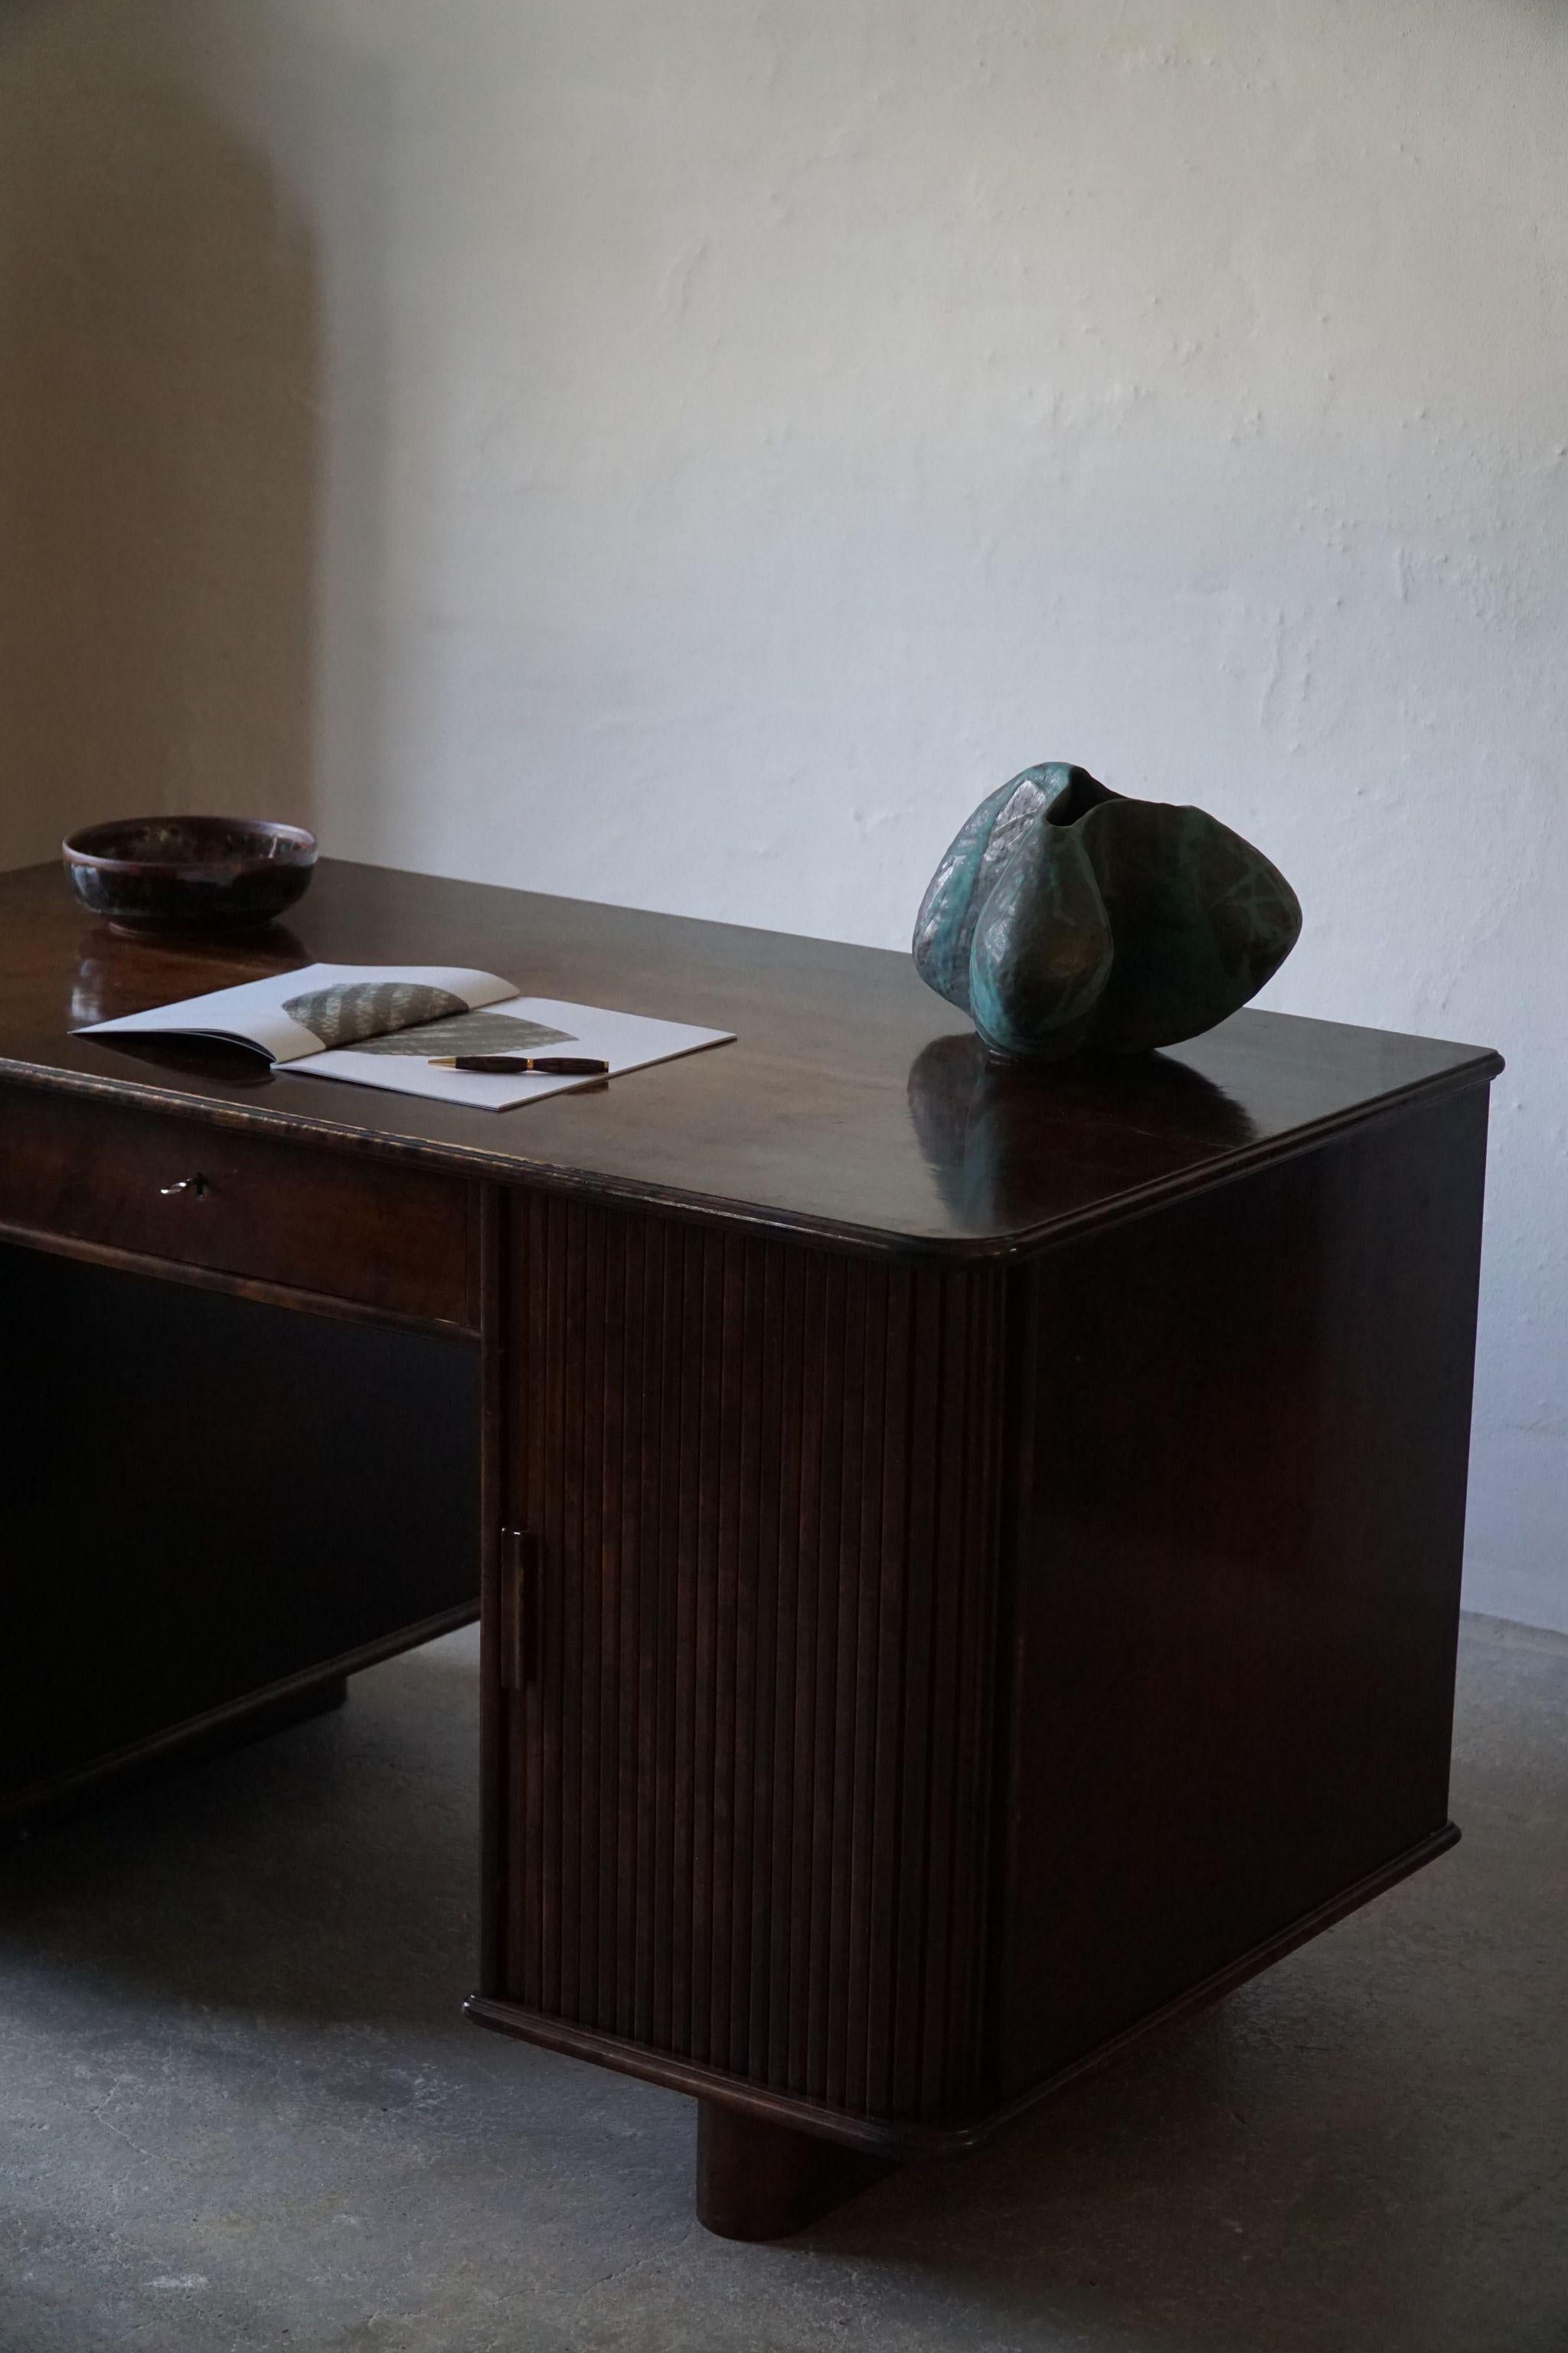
[158, 462]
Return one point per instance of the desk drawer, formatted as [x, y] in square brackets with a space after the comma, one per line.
[387, 1238]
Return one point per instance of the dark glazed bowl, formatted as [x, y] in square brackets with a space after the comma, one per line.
[189, 874]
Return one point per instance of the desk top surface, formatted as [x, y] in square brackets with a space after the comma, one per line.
[854, 1101]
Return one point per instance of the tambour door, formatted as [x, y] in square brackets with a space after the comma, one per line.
[745, 1653]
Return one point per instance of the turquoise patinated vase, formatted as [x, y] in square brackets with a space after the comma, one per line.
[1066, 915]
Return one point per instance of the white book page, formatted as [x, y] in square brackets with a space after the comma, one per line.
[256, 1012]
[626, 1041]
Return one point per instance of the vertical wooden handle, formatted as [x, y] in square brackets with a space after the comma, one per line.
[519, 1608]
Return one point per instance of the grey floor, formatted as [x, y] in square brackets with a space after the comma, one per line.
[238, 2107]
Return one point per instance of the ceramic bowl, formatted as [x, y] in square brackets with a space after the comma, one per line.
[189, 874]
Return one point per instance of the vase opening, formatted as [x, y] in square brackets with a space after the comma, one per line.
[1082, 793]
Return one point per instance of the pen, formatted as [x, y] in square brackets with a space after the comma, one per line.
[528, 1065]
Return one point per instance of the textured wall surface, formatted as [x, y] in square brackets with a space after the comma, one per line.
[689, 453]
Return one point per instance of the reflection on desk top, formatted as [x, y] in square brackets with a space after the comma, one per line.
[854, 1101]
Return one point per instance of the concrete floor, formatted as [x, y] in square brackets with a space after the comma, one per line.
[238, 2107]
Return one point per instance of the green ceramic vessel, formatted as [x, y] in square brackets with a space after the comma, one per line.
[1066, 915]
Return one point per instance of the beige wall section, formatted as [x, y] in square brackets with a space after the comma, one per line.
[688, 452]
[159, 373]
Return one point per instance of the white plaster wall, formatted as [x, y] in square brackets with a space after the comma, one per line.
[690, 451]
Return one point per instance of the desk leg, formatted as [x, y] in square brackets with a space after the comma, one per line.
[759, 2180]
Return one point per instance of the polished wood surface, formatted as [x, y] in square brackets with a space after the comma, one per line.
[1233, 1576]
[969, 1556]
[913, 1680]
[854, 1104]
[746, 1803]
[259, 1208]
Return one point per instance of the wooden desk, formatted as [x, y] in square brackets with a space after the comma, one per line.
[969, 1560]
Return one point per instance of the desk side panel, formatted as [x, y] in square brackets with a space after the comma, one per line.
[744, 1793]
[1237, 1574]
[207, 1498]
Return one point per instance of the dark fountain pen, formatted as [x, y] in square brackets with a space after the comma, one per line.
[523, 1066]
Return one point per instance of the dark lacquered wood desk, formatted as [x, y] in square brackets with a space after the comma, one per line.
[968, 1559]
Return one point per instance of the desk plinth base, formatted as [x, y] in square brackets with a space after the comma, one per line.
[768, 2165]
[761, 2180]
[106, 1779]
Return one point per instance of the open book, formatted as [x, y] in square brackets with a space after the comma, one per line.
[380, 1025]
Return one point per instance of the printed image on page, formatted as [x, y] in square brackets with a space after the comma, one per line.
[291, 1014]
[491, 1031]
